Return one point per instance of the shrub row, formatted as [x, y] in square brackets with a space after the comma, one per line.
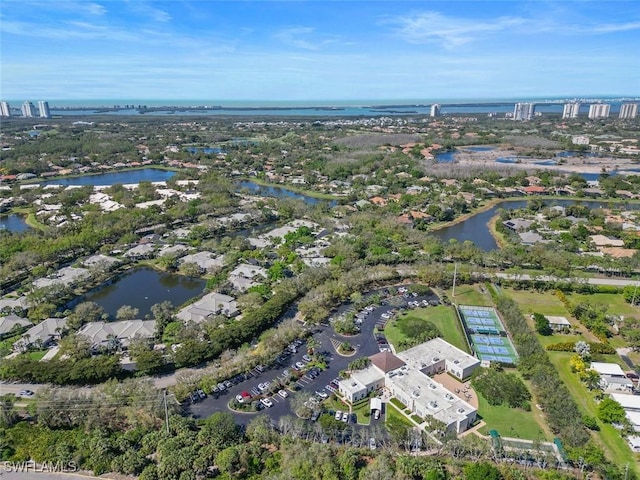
[595, 347]
[562, 413]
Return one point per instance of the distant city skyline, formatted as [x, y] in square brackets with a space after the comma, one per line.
[317, 50]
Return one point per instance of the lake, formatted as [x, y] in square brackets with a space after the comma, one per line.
[475, 228]
[280, 192]
[204, 149]
[13, 223]
[112, 178]
[142, 288]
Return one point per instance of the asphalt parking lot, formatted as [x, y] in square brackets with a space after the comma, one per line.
[365, 343]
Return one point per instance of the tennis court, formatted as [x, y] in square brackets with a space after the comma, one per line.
[487, 334]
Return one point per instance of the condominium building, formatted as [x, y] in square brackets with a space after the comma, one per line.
[628, 110]
[43, 107]
[570, 110]
[408, 377]
[28, 110]
[435, 110]
[599, 110]
[5, 109]
[523, 111]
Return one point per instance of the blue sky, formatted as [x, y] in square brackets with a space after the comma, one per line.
[317, 50]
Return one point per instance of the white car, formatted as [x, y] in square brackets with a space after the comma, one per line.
[372, 444]
[26, 394]
[322, 395]
[267, 402]
[338, 415]
[345, 417]
[283, 393]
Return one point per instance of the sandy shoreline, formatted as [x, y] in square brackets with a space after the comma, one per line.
[569, 164]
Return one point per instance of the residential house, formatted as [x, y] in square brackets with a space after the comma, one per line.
[120, 334]
[12, 323]
[42, 335]
[206, 261]
[612, 377]
[210, 305]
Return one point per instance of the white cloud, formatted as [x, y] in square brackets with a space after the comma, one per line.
[297, 37]
[451, 32]
[434, 27]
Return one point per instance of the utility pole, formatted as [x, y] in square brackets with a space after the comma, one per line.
[166, 410]
[455, 275]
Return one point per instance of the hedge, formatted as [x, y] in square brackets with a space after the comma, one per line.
[595, 347]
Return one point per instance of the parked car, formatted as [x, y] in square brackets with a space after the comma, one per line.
[300, 365]
[372, 444]
[306, 358]
[26, 393]
[194, 397]
[263, 386]
[338, 415]
[345, 417]
[376, 415]
[283, 393]
[201, 393]
[267, 402]
[322, 394]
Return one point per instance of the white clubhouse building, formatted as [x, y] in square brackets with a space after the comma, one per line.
[407, 376]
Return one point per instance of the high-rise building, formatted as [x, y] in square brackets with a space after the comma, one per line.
[5, 109]
[44, 109]
[524, 111]
[599, 110]
[570, 110]
[28, 110]
[628, 110]
[435, 110]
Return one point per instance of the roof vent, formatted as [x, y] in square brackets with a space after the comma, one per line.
[456, 361]
[433, 405]
[460, 410]
[448, 396]
[436, 359]
[432, 386]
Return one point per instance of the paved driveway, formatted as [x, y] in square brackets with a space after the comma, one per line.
[365, 345]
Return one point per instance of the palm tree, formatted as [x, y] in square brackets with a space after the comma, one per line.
[113, 343]
[312, 344]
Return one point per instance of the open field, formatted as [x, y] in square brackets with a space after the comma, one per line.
[442, 316]
[608, 437]
[530, 302]
[471, 295]
[614, 301]
[510, 422]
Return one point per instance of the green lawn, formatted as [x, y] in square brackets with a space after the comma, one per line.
[396, 417]
[444, 317]
[360, 409]
[608, 437]
[510, 422]
[530, 302]
[37, 355]
[558, 337]
[615, 302]
[471, 295]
